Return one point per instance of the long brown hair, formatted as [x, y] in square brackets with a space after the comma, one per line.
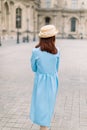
[47, 44]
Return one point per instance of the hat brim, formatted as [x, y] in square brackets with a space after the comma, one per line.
[41, 35]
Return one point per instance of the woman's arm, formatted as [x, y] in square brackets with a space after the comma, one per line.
[34, 61]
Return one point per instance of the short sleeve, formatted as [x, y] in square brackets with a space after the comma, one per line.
[58, 60]
[34, 60]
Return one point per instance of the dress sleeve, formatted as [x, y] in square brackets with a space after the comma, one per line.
[34, 61]
[58, 60]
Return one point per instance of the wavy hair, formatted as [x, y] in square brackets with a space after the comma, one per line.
[48, 45]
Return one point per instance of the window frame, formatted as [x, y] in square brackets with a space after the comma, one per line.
[48, 3]
[74, 4]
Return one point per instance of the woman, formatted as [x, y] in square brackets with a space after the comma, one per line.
[45, 63]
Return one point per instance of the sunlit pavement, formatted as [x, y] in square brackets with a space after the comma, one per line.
[16, 83]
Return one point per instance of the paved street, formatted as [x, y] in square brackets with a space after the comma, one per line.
[16, 83]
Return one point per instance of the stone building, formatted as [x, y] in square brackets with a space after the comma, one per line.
[18, 16]
[70, 16]
[27, 16]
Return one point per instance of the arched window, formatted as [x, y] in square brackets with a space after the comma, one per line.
[74, 4]
[47, 20]
[73, 24]
[18, 17]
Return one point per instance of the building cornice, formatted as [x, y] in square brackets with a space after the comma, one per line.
[74, 10]
[66, 10]
[48, 9]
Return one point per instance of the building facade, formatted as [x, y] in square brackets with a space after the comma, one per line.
[18, 16]
[70, 16]
[27, 16]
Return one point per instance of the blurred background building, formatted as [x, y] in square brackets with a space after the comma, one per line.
[25, 17]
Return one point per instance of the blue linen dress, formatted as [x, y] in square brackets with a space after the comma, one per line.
[45, 65]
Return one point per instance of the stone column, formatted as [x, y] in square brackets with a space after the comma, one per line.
[30, 16]
[63, 25]
[0, 23]
[34, 24]
[55, 20]
[81, 25]
[6, 18]
[9, 24]
[38, 21]
[86, 28]
[11, 17]
[27, 21]
[0, 15]
[66, 27]
[59, 22]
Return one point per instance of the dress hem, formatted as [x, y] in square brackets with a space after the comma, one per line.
[40, 124]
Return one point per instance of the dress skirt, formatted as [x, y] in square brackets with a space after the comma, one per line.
[43, 98]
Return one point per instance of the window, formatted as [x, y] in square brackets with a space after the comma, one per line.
[48, 3]
[74, 4]
[47, 20]
[18, 17]
[73, 24]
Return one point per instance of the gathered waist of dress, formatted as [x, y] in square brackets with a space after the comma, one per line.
[49, 73]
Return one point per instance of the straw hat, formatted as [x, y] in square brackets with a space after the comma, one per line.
[48, 31]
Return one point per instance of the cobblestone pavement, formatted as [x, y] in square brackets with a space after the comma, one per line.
[16, 83]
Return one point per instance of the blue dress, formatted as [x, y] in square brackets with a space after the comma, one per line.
[45, 65]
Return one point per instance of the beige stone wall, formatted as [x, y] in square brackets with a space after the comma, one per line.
[43, 4]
